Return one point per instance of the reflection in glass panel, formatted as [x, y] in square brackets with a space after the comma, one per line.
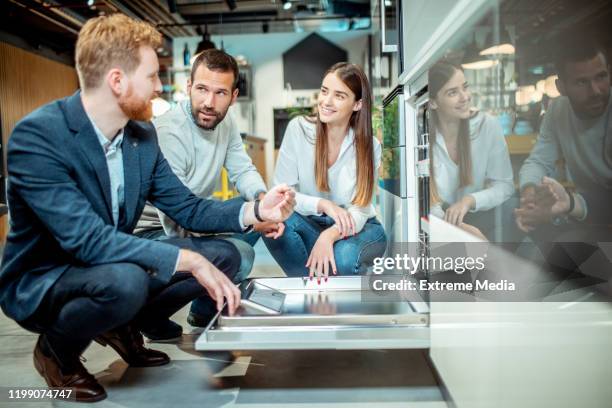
[391, 169]
[391, 123]
[390, 23]
[519, 127]
[469, 162]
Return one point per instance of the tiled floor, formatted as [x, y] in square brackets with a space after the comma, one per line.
[374, 378]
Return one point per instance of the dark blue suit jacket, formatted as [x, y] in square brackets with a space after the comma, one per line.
[60, 206]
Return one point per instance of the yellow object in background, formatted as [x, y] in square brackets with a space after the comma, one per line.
[225, 193]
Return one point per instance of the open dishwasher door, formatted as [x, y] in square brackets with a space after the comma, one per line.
[299, 314]
[342, 313]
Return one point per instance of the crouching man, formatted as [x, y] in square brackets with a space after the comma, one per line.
[80, 170]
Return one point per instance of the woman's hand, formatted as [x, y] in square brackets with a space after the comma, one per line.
[343, 219]
[455, 213]
[322, 255]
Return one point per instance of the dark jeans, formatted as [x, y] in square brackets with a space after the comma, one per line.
[244, 244]
[88, 301]
[353, 255]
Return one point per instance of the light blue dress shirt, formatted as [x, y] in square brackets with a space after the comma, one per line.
[114, 161]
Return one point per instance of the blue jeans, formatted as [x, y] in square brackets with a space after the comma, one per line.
[244, 243]
[87, 301]
[353, 255]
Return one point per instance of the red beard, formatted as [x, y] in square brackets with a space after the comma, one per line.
[136, 108]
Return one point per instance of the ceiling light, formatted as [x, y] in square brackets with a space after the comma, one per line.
[536, 96]
[501, 45]
[550, 87]
[287, 5]
[524, 95]
[473, 60]
[482, 64]
[499, 49]
[206, 42]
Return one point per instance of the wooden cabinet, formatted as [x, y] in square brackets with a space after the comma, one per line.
[256, 149]
[27, 81]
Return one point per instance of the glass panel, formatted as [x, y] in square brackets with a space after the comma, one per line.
[391, 136]
[519, 132]
[392, 162]
[390, 24]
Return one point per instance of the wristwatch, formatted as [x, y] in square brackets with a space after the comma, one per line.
[256, 211]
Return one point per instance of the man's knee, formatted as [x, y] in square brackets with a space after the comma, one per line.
[227, 257]
[247, 258]
[124, 287]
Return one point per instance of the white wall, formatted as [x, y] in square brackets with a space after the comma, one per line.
[264, 53]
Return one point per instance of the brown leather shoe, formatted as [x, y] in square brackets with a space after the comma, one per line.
[86, 387]
[129, 343]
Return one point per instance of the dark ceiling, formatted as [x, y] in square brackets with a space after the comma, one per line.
[540, 25]
[54, 24]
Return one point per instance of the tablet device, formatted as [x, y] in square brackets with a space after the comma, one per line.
[264, 300]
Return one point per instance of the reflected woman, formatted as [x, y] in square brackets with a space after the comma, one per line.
[331, 161]
[470, 164]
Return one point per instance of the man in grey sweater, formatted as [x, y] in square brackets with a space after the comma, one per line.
[575, 129]
[564, 223]
[198, 138]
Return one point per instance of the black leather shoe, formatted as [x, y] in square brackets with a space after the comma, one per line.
[86, 387]
[197, 320]
[166, 330]
[129, 343]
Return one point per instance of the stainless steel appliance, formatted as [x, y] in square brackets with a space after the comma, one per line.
[393, 188]
[329, 315]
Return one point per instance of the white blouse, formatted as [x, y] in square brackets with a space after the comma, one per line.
[492, 180]
[295, 167]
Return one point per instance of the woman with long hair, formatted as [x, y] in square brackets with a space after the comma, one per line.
[469, 162]
[331, 162]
